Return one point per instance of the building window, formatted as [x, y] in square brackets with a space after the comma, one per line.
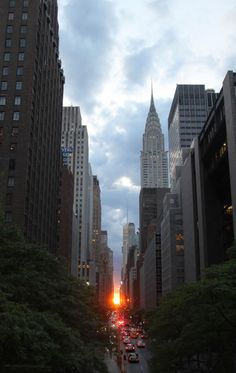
[11, 3]
[2, 100]
[14, 131]
[21, 56]
[3, 86]
[11, 181]
[19, 71]
[22, 43]
[17, 100]
[7, 56]
[18, 86]
[12, 164]
[9, 29]
[25, 3]
[5, 71]
[23, 29]
[24, 16]
[10, 16]
[9, 198]
[8, 43]
[16, 115]
[2, 115]
[8, 217]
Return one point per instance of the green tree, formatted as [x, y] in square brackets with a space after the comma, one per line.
[194, 329]
[47, 318]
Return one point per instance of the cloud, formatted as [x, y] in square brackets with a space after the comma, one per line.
[87, 36]
[138, 65]
[160, 7]
[125, 182]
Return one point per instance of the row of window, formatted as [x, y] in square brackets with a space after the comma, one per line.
[11, 16]
[15, 116]
[9, 30]
[3, 101]
[12, 3]
[4, 85]
[14, 132]
[22, 43]
[7, 56]
[19, 71]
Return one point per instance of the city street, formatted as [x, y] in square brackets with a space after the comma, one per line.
[142, 366]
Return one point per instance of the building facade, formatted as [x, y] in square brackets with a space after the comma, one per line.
[65, 217]
[74, 143]
[31, 92]
[209, 187]
[172, 243]
[189, 110]
[150, 208]
[129, 242]
[106, 285]
[96, 234]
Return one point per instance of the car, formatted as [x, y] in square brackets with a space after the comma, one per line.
[140, 343]
[133, 335]
[133, 357]
[144, 336]
[129, 347]
[126, 340]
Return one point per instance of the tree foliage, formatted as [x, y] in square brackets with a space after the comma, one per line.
[194, 329]
[47, 318]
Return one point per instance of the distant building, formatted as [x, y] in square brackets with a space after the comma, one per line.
[129, 242]
[153, 159]
[150, 207]
[209, 187]
[189, 110]
[106, 285]
[31, 92]
[74, 143]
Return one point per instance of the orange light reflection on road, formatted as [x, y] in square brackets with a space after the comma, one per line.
[116, 299]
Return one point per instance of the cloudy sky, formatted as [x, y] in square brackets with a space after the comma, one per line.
[110, 51]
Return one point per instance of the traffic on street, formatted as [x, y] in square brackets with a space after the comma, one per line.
[132, 344]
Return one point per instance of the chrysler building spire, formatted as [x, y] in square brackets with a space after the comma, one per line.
[154, 169]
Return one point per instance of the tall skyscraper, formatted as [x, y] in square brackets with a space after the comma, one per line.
[75, 150]
[129, 243]
[129, 239]
[31, 92]
[106, 286]
[188, 113]
[154, 160]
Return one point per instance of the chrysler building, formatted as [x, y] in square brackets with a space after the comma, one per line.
[154, 160]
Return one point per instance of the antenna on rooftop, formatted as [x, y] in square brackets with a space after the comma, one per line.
[127, 211]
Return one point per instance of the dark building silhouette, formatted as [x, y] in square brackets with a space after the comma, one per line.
[150, 207]
[209, 186]
[149, 282]
[31, 91]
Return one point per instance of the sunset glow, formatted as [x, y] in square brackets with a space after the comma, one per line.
[116, 299]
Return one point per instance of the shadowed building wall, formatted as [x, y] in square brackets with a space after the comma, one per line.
[31, 92]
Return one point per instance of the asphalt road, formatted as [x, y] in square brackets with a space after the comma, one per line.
[142, 366]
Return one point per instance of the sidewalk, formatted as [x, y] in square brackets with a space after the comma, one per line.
[111, 365]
